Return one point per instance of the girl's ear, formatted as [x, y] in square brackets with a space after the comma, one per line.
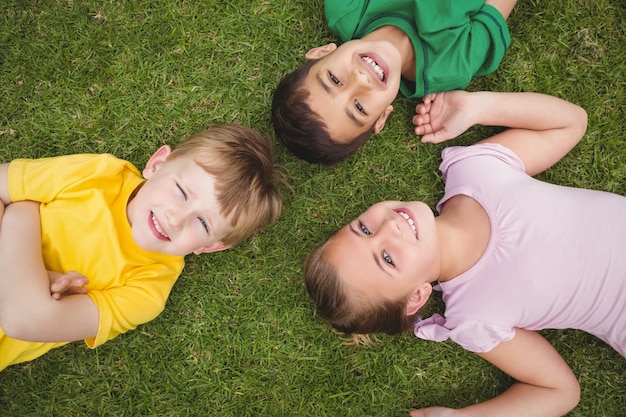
[418, 298]
[156, 160]
[320, 51]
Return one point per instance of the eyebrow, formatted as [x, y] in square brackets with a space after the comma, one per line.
[328, 90]
[376, 258]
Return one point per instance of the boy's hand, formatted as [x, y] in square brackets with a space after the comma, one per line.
[442, 116]
[67, 284]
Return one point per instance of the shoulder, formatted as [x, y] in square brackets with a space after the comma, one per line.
[477, 154]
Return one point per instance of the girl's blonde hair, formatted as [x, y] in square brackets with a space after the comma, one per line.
[241, 161]
[351, 313]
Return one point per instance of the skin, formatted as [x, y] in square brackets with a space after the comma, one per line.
[392, 261]
[345, 90]
[169, 214]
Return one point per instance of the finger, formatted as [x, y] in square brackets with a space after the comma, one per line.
[423, 108]
[76, 274]
[429, 98]
[77, 290]
[428, 138]
[421, 120]
[60, 285]
[440, 136]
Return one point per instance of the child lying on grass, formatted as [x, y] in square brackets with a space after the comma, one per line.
[125, 236]
[511, 254]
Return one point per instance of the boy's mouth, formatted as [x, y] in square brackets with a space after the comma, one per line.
[377, 69]
[408, 218]
[160, 233]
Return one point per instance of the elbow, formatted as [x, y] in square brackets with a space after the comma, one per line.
[12, 326]
[571, 394]
[18, 326]
[580, 124]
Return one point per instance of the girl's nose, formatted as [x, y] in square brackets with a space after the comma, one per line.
[390, 227]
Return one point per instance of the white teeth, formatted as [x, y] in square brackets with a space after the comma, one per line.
[157, 227]
[409, 221]
[377, 69]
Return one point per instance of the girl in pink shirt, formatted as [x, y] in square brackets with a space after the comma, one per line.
[511, 254]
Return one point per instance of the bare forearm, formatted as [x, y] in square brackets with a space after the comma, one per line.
[532, 111]
[23, 278]
[28, 311]
[542, 129]
[523, 400]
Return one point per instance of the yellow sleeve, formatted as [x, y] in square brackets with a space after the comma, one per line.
[139, 300]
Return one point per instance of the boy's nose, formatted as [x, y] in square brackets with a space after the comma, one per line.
[176, 218]
[362, 77]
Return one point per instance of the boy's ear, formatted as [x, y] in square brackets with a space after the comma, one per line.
[418, 298]
[320, 51]
[380, 123]
[156, 160]
[213, 247]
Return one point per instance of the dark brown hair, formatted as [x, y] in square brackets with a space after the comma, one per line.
[300, 129]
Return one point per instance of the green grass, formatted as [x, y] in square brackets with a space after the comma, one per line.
[239, 336]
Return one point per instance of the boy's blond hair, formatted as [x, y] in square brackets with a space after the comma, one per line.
[242, 162]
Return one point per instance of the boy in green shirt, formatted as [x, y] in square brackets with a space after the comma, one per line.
[329, 106]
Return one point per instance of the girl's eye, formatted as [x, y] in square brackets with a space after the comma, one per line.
[359, 107]
[387, 258]
[334, 79]
[204, 223]
[184, 194]
[364, 229]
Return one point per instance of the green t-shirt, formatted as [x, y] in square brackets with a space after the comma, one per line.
[453, 40]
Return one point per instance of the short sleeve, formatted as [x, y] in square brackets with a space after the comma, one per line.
[454, 154]
[140, 299]
[472, 335]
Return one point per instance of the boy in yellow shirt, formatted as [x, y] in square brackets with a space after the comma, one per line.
[125, 235]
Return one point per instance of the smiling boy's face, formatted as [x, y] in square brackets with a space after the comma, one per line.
[176, 211]
[352, 86]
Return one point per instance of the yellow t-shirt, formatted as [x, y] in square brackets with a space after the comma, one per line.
[85, 228]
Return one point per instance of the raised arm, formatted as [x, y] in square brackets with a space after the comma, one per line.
[542, 128]
[27, 309]
[545, 386]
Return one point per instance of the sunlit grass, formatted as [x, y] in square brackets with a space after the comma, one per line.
[239, 336]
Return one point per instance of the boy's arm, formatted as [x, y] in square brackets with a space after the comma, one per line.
[27, 309]
[4, 188]
[60, 284]
[542, 128]
[545, 384]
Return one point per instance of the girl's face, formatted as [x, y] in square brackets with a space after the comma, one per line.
[388, 252]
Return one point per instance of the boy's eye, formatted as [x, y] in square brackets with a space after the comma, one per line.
[359, 107]
[364, 229]
[204, 223]
[184, 194]
[334, 79]
[387, 258]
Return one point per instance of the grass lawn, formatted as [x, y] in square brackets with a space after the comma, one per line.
[239, 336]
